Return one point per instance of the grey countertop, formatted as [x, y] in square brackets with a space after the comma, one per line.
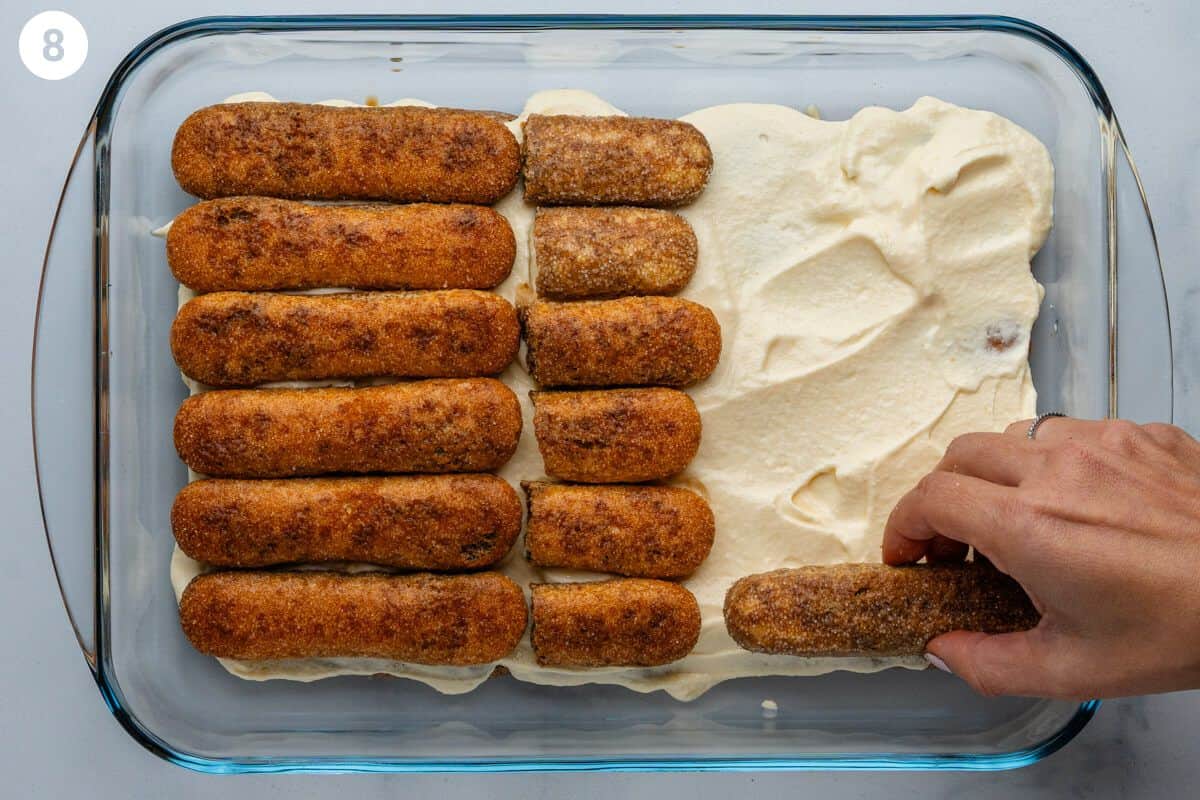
[58, 739]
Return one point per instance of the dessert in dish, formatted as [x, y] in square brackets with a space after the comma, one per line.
[871, 609]
[229, 339]
[637, 531]
[615, 435]
[632, 341]
[264, 243]
[856, 269]
[579, 253]
[304, 151]
[623, 622]
[438, 425]
[420, 618]
[428, 522]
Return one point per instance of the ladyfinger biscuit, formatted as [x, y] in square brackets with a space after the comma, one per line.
[467, 425]
[261, 243]
[590, 253]
[625, 622]
[615, 436]
[640, 531]
[430, 522]
[239, 338]
[574, 160]
[871, 609]
[452, 620]
[632, 341]
[299, 151]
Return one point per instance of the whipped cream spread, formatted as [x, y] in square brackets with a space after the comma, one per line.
[872, 280]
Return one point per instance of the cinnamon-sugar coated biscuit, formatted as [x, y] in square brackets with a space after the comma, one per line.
[227, 339]
[302, 151]
[624, 622]
[593, 253]
[581, 160]
[639, 531]
[437, 425]
[452, 620]
[871, 609]
[615, 435]
[264, 243]
[631, 341]
[430, 522]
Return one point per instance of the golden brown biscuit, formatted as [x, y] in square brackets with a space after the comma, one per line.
[616, 435]
[640, 531]
[440, 425]
[625, 622]
[432, 522]
[301, 151]
[632, 341]
[258, 243]
[451, 620]
[227, 339]
[871, 609]
[575, 160]
[591, 253]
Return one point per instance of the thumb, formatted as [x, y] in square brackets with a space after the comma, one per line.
[996, 664]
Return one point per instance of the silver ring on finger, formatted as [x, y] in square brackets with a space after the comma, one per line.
[1033, 426]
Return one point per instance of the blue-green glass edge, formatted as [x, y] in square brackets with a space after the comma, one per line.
[202, 26]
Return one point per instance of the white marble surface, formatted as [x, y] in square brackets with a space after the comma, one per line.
[57, 738]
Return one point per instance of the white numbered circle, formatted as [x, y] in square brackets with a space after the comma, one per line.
[53, 45]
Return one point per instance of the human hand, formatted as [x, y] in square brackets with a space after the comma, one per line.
[1099, 521]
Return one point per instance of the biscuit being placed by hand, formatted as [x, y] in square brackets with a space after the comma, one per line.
[431, 522]
[632, 341]
[229, 339]
[439, 425]
[263, 243]
[592, 161]
[451, 620]
[625, 622]
[299, 151]
[615, 435]
[639, 531]
[595, 253]
[871, 609]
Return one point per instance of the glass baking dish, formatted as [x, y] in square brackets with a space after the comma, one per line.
[105, 389]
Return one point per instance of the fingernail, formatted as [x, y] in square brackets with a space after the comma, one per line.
[937, 662]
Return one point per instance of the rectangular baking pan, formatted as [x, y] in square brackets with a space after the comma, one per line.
[105, 389]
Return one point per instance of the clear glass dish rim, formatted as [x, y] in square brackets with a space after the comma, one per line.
[98, 132]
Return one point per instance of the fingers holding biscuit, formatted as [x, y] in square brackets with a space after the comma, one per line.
[871, 609]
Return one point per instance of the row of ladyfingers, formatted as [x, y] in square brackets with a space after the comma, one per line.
[478, 618]
[231, 339]
[436, 425]
[269, 244]
[412, 154]
[441, 523]
[451, 620]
